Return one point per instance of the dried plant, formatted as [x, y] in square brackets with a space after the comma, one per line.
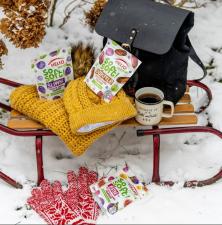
[6, 3]
[83, 58]
[93, 14]
[25, 21]
[3, 51]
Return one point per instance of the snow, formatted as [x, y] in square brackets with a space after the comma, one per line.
[183, 157]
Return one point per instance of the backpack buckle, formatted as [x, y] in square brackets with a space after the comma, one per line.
[128, 44]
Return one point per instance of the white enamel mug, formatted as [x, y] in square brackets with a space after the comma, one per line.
[151, 113]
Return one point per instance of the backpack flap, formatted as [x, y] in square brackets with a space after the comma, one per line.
[158, 25]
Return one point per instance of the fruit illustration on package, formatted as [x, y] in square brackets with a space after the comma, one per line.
[135, 180]
[134, 61]
[108, 95]
[97, 192]
[102, 202]
[112, 208]
[127, 202]
[145, 188]
[56, 97]
[41, 89]
[123, 175]
[69, 58]
[122, 80]
[139, 187]
[109, 51]
[101, 57]
[68, 70]
[114, 88]
[120, 52]
[41, 65]
[101, 183]
[40, 78]
[111, 178]
[92, 72]
[100, 94]
[52, 54]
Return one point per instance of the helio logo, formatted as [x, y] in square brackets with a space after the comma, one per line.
[122, 64]
[56, 62]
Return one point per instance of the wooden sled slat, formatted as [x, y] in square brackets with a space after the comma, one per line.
[180, 120]
[181, 108]
[175, 120]
[185, 99]
[24, 124]
[19, 121]
[184, 114]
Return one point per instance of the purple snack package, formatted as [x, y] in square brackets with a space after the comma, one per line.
[53, 72]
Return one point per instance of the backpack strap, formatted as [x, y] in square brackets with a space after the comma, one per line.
[197, 60]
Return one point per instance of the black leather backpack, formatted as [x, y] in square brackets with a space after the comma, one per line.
[158, 35]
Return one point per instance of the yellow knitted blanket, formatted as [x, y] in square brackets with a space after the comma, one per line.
[54, 116]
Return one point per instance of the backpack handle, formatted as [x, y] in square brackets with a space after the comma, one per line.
[197, 60]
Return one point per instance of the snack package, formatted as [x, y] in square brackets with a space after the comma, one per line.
[115, 193]
[112, 69]
[53, 72]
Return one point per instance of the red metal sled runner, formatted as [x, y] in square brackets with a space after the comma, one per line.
[183, 107]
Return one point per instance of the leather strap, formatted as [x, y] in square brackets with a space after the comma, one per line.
[128, 44]
[193, 54]
[197, 60]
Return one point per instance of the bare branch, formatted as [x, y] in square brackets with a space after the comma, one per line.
[51, 12]
[68, 14]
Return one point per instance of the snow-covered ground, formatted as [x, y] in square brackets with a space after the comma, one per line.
[183, 157]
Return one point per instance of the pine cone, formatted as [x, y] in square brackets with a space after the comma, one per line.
[83, 58]
[94, 13]
[25, 22]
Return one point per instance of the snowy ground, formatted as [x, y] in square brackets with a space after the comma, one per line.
[182, 156]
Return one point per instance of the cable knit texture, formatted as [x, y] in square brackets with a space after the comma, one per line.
[85, 107]
[53, 115]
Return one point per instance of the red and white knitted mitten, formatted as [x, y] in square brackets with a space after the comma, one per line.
[88, 208]
[71, 195]
[49, 203]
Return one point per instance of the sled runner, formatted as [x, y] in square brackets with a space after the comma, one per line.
[183, 121]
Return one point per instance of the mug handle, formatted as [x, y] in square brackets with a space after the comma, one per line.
[168, 115]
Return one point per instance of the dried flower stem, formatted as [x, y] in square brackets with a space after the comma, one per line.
[51, 13]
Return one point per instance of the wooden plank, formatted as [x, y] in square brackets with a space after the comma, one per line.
[187, 89]
[185, 99]
[24, 124]
[181, 108]
[180, 120]
[175, 120]
[19, 121]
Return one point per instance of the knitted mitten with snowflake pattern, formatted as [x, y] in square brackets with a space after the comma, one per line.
[49, 203]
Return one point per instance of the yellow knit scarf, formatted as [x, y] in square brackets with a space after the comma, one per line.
[67, 119]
